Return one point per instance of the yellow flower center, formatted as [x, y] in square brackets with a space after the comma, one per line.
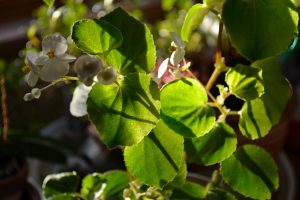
[26, 69]
[50, 53]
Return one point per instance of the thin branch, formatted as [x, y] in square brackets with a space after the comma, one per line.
[4, 109]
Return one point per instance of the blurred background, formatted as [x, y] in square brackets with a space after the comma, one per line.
[51, 140]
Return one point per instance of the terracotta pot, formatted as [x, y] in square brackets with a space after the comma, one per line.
[12, 187]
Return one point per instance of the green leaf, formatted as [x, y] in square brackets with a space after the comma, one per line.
[260, 29]
[137, 52]
[213, 147]
[184, 108]
[219, 194]
[96, 36]
[259, 115]
[56, 184]
[190, 191]
[108, 186]
[193, 19]
[49, 3]
[252, 172]
[180, 178]
[65, 197]
[157, 159]
[245, 82]
[124, 114]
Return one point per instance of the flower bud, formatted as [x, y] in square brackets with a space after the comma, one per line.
[107, 75]
[86, 68]
[28, 97]
[36, 92]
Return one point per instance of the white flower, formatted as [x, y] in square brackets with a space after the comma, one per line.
[33, 75]
[107, 76]
[179, 52]
[54, 60]
[78, 106]
[87, 68]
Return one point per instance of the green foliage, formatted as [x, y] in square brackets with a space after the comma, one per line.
[107, 186]
[213, 147]
[193, 19]
[156, 156]
[245, 82]
[189, 190]
[260, 29]
[184, 108]
[260, 114]
[126, 112]
[96, 36]
[252, 172]
[137, 52]
[58, 184]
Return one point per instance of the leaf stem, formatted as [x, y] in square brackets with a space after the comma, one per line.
[219, 66]
[216, 178]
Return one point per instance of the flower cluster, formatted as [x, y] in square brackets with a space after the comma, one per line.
[52, 65]
[175, 64]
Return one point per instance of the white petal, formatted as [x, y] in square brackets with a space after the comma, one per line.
[67, 58]
[163, 68]
[41, 60]
[31, 57]
[179, 43]
[31, 78]
[55, 42]
[177, 56]
[54, 69]
[78, 106]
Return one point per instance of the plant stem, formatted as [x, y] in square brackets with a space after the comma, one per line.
[4, 109]
[218, 66]
[215, 180]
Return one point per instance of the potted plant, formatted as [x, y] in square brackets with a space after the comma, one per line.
[159, 129]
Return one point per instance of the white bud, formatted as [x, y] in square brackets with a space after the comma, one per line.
[28, 97]
[36, 92]
[107, 75]
[86, 68]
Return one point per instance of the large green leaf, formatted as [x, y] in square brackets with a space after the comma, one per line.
[190, 191]
[259, 115]
[193, 19]
[56, 184]
[108, 186]
[252, 172]
[157, 159]
[124, 114]
[259, 29]
[184, 108]
[213, 147]
[96, 36]
[245, 82]
[137, 52]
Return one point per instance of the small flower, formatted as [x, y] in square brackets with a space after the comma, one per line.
[54, 60]
[32, 69]
[107, 76]
[87, 68]
[78, 106]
